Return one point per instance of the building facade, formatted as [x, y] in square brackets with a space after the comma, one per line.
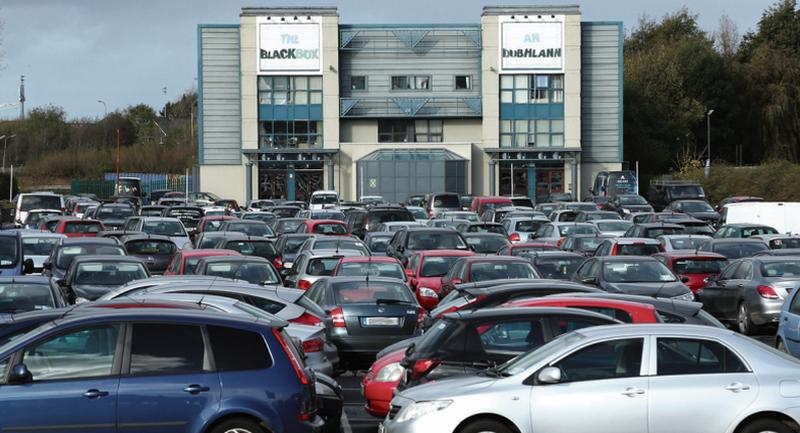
[526, 102]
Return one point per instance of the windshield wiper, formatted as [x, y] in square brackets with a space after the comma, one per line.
[392, 301]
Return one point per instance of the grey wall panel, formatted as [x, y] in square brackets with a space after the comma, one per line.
[220, 90]
[601, 92]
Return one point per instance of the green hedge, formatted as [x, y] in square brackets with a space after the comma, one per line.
[774, 181]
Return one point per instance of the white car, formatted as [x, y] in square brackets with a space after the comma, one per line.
[661, 378]
[323, 199]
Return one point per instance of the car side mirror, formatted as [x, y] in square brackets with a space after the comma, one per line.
[20, 374]
[549, 375]
[27, 266]
[592, 281]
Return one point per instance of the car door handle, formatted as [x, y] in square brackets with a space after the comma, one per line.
[93, 394]
[632, 392]
[737, 387]
[196, 389]
[740, 285]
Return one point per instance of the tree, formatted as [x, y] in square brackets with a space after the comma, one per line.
[727, 37]
[142, 117]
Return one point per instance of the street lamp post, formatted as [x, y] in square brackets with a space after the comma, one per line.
[708, 141]
[5, 142]
[104, 107]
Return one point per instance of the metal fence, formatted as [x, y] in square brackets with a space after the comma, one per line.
[150, 182]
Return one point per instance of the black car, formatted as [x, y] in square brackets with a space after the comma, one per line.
[113, 215]
[663, 192]
[699, 209]
[653, 230]
[406, 242]
[248, 227]
[90, 277]
[287, 246]
[486, 243]
[634, 275]
[583, 244]
[367, 314]
[627, 204]
[555, 265]
[67, 249]
[155, 250]
[29, 293]
[250, 246]
[734, 248]
[254, 270]
[190, 216]
[360, 223]
[470, 341]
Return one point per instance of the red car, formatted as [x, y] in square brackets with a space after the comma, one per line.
[381, 380]
[697, 266]
[184, 261]
[324, 227]
[359, 266]
[481, 204]
[425, 271]
[624, 311]
[529, 247]
[78, 228]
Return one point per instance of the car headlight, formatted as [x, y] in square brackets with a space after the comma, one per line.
[421, 408]
[390, 373]
[689, 296]
[80, 300]
[427, 292]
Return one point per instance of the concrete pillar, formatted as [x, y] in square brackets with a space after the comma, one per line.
[574, 167]
[330, 174]
[492, 164]
[248, 195]
[290, 183]
[532, 182]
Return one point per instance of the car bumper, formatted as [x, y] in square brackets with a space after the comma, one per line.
[317, 361]
[442, 421]
[366, 343]
[378, 395]
[766, 312]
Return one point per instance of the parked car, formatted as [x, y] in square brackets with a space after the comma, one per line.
[367, 314]
[696, 266]
[406, 242]
[624, 311]
[425, 270]
[67, 249]
[585, 245]
[248, 227]
[25, 202]
[323, 227]
[113, 215]
[419, 213]
[743, 230]
[90, 277]
[750, 292]
[446, 223]
[598, 363]
[694, 226]
[653, 230]
[78, 228]
[486, 268]
[368, 266]
[520, 229]
[555, 265]
[498, 214]
[185, 262]
[156, 251]
[682, 242]
[625, 204]
[460, 215]
[152, 210]
[635, 275]
[555, 233]
[255, 246]
[363, 222]
[287, 246]
[546, 208]
[189, 215]
[523, 248]
[734, 248]
[435, 203]
[206, 224]
[628, 247]
[35, 216]
[377, 242]
[254, 270]
[163, 226]
[37, 246]
[788, 335]
[85, 351]
[334, 243]
[663, 192]
[310, 266]
[268, 218]
[593, 215]
[321, 214]
[482, 204]
[699, 209]
[29, 293]
[394, 226]
[780, 242]
[486, 243]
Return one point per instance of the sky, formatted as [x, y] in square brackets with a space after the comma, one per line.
[76, 52]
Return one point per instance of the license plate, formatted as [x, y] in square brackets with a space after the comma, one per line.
[381, 321]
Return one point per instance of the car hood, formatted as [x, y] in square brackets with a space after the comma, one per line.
[660, 290]
[638, 208]
[434, 283]
[91, 292]
[705, 216]
[444, 388]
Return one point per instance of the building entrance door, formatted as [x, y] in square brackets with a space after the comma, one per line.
[549, 181]
[514, 178]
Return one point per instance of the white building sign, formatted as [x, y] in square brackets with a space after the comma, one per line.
[289, 47]
[532, 45]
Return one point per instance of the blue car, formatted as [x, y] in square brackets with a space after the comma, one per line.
[788, 338]
[12, 259]
[156, 370]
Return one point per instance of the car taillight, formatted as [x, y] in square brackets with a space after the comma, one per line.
[767, 292]
[337, 315]
[303, 284]
[420, 316]
[614, 250]
[423, 367]
[514, 237]
[278, 263]
[560, 241]
[460, 307]
[308, 319]
[298, 368]
[312, 346]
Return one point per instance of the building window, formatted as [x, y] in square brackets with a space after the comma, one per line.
[358, 82]
[289, 90]
[411, 82]
[540, 133]
[282, 134]
[409, 130]
[532, 89]
[463, 82]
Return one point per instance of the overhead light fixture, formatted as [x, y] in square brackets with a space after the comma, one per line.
[512, 17]
[283, 18]
[540, 17]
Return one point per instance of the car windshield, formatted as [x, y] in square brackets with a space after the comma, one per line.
[256, 248]
[528, 226]
[327, 215]
[292, 244]
[260, 216]
[435, 241]
[343, 244]
[632, 200]
[437, 266]
[577, 207]
[151, 212]
[35, 217]
[324, 199]
[353, 292]
[637, 272]
[251, 229]
[521, 251]
[739, 250]
[117, 213]
[614, 226]
[254, 273]
[654, 232]
[592, 216]
[576, 230]
[82, 227]
[698, 266]
[696, 206]
[286, 212]
[447, 201]
[486, 228]
[486, 244]
[637, 249]
[164, 228]
[588, 244]
[687, 243]
[108, 273]
[151, 247]
[384, 216]
[360, 269]
[45, 201]
[419, 214]
[322, 267]
[66, 254]
[560, 268]
[787, 269]
[778, 244]
[685, 191]
[500, 271]
[21, 297]
[378, 244]
[524, 362]
[287, 226]
[329, 229]
[38, 246]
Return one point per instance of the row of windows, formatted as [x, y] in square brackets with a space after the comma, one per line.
[290, 133]
[289, 90]
[411, 82]
[532, 89]
[531, 133]
[410, 131]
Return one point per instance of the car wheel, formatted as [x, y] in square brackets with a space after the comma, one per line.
[487, 426]
[238, 425]
[743, 322]
[766, 426]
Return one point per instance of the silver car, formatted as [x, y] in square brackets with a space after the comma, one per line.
[521, 229]
[334, 243]
[682, 242]
[461, 214]
[163, 226]
[613, 227]
[37, 246]
[617, 379]
[553, 232]
[310, 266]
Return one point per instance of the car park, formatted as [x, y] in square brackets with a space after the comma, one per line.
[268, 218]
[113, 215]
[419, 213]
[563, 215]
[185, 262]
[482, 227]
[321, 199]
[482, 204]
[189, 215]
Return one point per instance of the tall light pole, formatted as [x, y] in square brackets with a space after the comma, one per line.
[104, 107]
[708, 141]
[5, 142]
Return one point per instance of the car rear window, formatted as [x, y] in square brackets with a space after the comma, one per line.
[447, 201]
[695, 266]
[329, 229]
[787, 269]
[322, 267]
[237, 350]
[152, 247]
[18, 298]
[737, 251]
[777, 244]
[558, 268]
[374, 269]
[500, 271]
[637, 249]
[263, 249]
[528, 226]
[38, 246]
[48, 201]
[82, 227]
[437, 266]
[378, 217]
[379, 244]
[66, 254]
[361, 291]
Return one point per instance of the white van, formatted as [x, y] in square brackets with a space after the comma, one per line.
[783, 216]
[323, 199]
[37, 200]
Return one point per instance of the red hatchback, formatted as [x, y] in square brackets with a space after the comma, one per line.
[425, 271]
[697, 266]
[323, 227]
[624, 311]
[381, 380]
[78, 228]
[184, 261]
